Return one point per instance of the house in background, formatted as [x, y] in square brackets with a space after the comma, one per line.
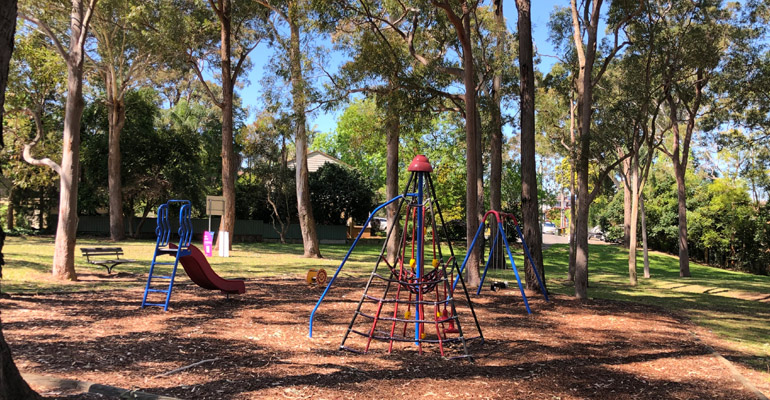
[315, 159]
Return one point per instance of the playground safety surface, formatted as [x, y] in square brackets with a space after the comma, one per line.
[565, 350]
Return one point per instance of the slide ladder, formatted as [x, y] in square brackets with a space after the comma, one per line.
[163, 246]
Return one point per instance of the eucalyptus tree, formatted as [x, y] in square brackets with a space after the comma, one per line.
[530, 210]
[691, 42]
[585, 20]
[126, 55]
[294, 14]
[81, 13]
[190, 28]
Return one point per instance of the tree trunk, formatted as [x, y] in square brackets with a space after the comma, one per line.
[116, 109]
[392, 128]
[229, 167]
[644, 236]
[572, 225]
[572, 198]
[634, 215]
[64, 246]
[9, 212]
[496, 140]
[626, 177]
[472, 151]
[304, 208]
[586, 57]
[7, 31]
[681, 191]
[530, 209]
[12, 385]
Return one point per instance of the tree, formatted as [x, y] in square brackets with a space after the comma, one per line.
[68, 168]
[693, 40]
[530, 211]
[124, 56]
[293, 13]
[240, 32]
[585, 23]
[12, 385]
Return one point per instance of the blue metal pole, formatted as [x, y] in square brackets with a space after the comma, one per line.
[355, 242]
[486, 266]
[515, 271]
[420, 255]
[534, 266]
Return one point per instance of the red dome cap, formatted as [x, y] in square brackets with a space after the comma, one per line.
[420, 163]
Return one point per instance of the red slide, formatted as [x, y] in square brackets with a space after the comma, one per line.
[199, 270]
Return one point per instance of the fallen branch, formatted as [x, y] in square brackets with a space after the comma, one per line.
[180, 369]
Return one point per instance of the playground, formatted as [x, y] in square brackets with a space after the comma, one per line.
[412, 328]
[256, 345]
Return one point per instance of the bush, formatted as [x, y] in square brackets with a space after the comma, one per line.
[338, 192]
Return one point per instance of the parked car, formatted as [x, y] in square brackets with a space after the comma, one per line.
[550, 228]
[379, 224]
[596, 233]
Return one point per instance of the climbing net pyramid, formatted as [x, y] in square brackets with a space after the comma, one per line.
[409, 300]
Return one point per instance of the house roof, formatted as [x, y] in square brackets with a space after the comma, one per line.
[315, 159]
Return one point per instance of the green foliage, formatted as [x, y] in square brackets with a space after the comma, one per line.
[725, 228]
[338, 193]
[359, 140]
[158, 161]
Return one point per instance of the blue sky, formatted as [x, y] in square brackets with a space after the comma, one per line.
[326, 122]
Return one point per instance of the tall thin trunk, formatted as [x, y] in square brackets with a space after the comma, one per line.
[472, 152]
[496, 139]
[586, 56]
[9, 212]
[572, 197]
[116, 111]
[632, 237]
[681, 192]
[392, 131]
[530, 209]
[304, 208]
[572, 225]
[644, 236]
[462, 26]
[64, 246]
[229, 167]
[626, 177]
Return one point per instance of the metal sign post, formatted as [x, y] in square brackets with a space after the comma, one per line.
[215, 205]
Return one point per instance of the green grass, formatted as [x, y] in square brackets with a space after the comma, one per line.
[734, 305]
[726, 302]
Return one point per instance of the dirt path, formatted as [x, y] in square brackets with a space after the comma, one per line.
[566, 349]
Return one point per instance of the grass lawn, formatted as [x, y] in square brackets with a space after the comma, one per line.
[734, 305]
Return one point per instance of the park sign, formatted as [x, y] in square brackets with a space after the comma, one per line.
[215, 205]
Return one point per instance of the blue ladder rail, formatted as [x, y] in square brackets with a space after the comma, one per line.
[164, 246]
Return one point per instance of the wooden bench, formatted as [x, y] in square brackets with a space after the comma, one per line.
[110, 263]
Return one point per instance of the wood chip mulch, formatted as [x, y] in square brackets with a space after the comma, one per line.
[565, 350]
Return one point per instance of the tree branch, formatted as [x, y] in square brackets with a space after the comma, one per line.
[46, 30]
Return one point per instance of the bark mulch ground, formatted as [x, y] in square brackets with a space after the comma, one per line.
[564, 350]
